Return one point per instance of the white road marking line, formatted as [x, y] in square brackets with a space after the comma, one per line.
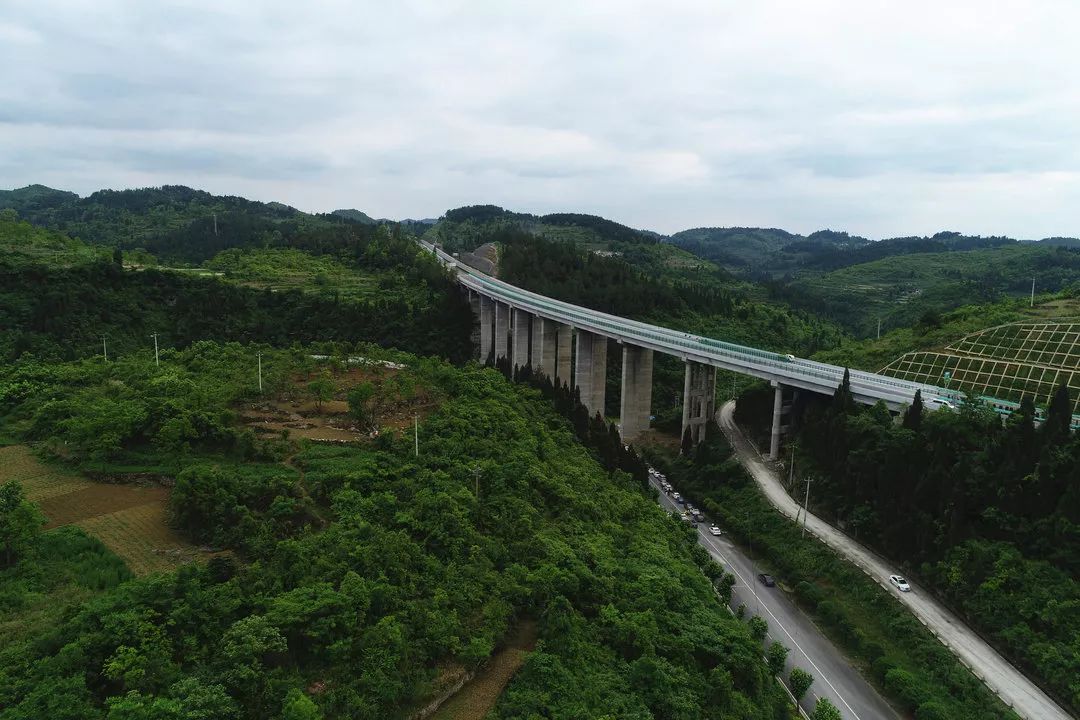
[710, 542]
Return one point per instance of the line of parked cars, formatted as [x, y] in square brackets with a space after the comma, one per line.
[693, 516]
[689, 513]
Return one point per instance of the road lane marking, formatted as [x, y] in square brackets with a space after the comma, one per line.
[711, 544]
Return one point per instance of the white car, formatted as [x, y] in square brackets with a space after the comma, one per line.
[677, 497]
[715, 531]
[900, 583]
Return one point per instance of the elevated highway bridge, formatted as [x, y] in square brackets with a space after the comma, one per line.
[531, 329]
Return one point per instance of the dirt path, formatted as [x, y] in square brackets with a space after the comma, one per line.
[475, 699]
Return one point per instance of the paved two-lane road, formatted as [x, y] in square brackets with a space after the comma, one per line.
[1006, 681]
[834, 677]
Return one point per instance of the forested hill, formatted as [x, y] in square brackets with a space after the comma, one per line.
[61, 298]
[465, 228]
[771, 253]
[362, 579]
[178, 223]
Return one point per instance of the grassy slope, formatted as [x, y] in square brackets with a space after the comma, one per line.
[874, 354]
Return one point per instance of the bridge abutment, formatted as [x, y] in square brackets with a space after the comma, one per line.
[636, 391]
[699, 399]
[590, 373]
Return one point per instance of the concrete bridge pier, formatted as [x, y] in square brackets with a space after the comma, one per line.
[590, 373]
[636, 391]
[699, 399]
[777, 412]
[565, 335]
[542, 349]
[502, 329]
[487, 320]
[520, 345]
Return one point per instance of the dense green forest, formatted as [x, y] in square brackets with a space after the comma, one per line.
[986, 514]
[360, 573]
[59, 298]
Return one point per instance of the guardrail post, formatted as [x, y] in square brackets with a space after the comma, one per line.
[590, 372]
[636, 391]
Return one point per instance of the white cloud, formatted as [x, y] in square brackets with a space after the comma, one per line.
[877, 117]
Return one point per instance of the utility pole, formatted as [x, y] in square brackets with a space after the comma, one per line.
[879, 328]
[806, 505]
[157, 360]
[259, 355]
[104, 348]
[215, 223]
[1032, 292]
[476, 480]
[416, 434]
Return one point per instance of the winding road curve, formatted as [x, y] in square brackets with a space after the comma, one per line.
[1008, 683]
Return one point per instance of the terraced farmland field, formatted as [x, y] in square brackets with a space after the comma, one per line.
[1005, 362]
[129, 519]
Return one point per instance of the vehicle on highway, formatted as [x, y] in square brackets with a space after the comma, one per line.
[900, 583]
[678, 498]
[766, 580]
[715, 530]
[699, 516]
[791, 358]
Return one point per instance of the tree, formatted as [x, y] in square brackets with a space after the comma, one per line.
[913, 415]
[299, 706]
[360, 405]
[118, 257]
[1058, 415]
[687, 442]
[800, 681]
[775, 657]
[20, 522]
[843, 401]
[759, 628]
[825, 710]
[321, 390]
[724, 586]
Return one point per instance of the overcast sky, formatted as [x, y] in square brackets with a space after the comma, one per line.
[880, 118]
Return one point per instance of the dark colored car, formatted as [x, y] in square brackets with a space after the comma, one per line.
[766, 580]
